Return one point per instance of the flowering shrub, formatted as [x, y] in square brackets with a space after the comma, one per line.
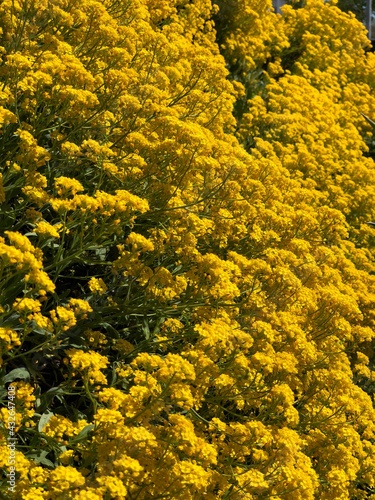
[187, 282]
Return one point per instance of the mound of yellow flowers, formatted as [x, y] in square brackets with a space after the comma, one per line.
[187, 282]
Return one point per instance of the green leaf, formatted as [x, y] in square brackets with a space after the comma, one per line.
[44, 461]
[44, 419]
[110, 330]
[16, 373]
[368, 120]
[83, 434]
[41, 459]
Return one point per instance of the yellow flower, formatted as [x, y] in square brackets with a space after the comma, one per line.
[89, 364]
[97, 285]
[114, 486]
[64, 479]
[70, 149]
[139, 243]
[89, 494]
[45, 229]
[34, 493]
[61, 427]
[27, 305]
[63, 316]
[26, 257]
[67, 186]
[80, 307]
[6, 117]
[191, 475]
[8, 339]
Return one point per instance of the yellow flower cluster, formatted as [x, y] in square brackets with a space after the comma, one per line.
[187, 279]
[65, 317]
[89, 364]
[97, 286]
[62, 428]
[24, 400]
[8, 339]
[21, 257]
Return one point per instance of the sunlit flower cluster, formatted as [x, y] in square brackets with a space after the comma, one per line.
[187, 279]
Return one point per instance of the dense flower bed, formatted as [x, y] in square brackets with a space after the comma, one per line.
[187, 282]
